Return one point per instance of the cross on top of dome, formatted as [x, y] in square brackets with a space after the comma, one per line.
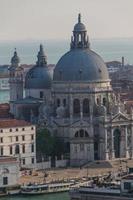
[79, 18]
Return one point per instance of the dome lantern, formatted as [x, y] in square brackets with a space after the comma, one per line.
[15, 60]
[41, 57]
[80, 63]
[79, 39]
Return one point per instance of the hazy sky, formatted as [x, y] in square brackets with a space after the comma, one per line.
[46, 19]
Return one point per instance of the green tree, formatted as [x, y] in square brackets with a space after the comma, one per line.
[49, 145]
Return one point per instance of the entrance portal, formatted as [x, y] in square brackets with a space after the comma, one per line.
[117, 138]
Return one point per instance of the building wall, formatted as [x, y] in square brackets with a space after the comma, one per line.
[36, 93]
[11, 171]
[24, 137]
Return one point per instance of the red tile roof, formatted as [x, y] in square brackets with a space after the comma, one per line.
[10, 123]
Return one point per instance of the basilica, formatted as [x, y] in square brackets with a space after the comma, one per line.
[75, 101]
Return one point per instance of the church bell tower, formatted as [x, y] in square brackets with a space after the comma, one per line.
[15, 81]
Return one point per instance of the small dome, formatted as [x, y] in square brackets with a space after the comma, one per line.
[79, 27]
[39, 76]
[80, 65]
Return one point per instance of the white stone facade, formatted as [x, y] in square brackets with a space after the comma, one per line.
[19, 141]
[9, 171]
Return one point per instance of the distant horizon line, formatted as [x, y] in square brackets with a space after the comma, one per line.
[57, 39]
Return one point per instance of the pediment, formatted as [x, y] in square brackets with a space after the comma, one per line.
[120, 117]
[80, 123]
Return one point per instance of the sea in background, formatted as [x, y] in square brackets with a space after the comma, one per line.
[108, 49]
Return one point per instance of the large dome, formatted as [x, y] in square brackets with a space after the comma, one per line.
[39, 76]
[80, 63]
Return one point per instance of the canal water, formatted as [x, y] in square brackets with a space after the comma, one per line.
[56, 196]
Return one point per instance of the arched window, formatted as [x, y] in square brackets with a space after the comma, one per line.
[86, 107]
[76, 106]
[17, 150]
[81, 133]
[58, 102]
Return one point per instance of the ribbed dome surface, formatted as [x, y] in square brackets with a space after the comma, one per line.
[81, 64]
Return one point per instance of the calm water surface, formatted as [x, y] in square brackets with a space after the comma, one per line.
[59, 196]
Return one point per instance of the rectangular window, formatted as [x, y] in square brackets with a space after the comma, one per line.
[32, 160]
[23, 138]
[1, 151]
[16, 138]
[23, 161]
[32, 137]
[23, 149]
[1, 140]
[10, 150]
[5, 180]
[32, 148]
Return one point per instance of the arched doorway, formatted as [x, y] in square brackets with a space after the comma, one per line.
[117, 139]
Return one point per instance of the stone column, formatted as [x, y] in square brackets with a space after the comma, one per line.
[106, 145]
[81, 109]
[112, 144]
[126, 146]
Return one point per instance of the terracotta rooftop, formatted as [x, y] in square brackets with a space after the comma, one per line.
[10, 123]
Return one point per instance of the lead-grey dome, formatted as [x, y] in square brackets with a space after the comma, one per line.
[39, 76]
[80, 64]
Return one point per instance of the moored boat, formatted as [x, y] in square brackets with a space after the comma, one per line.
[125, 192]
[33, 189]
